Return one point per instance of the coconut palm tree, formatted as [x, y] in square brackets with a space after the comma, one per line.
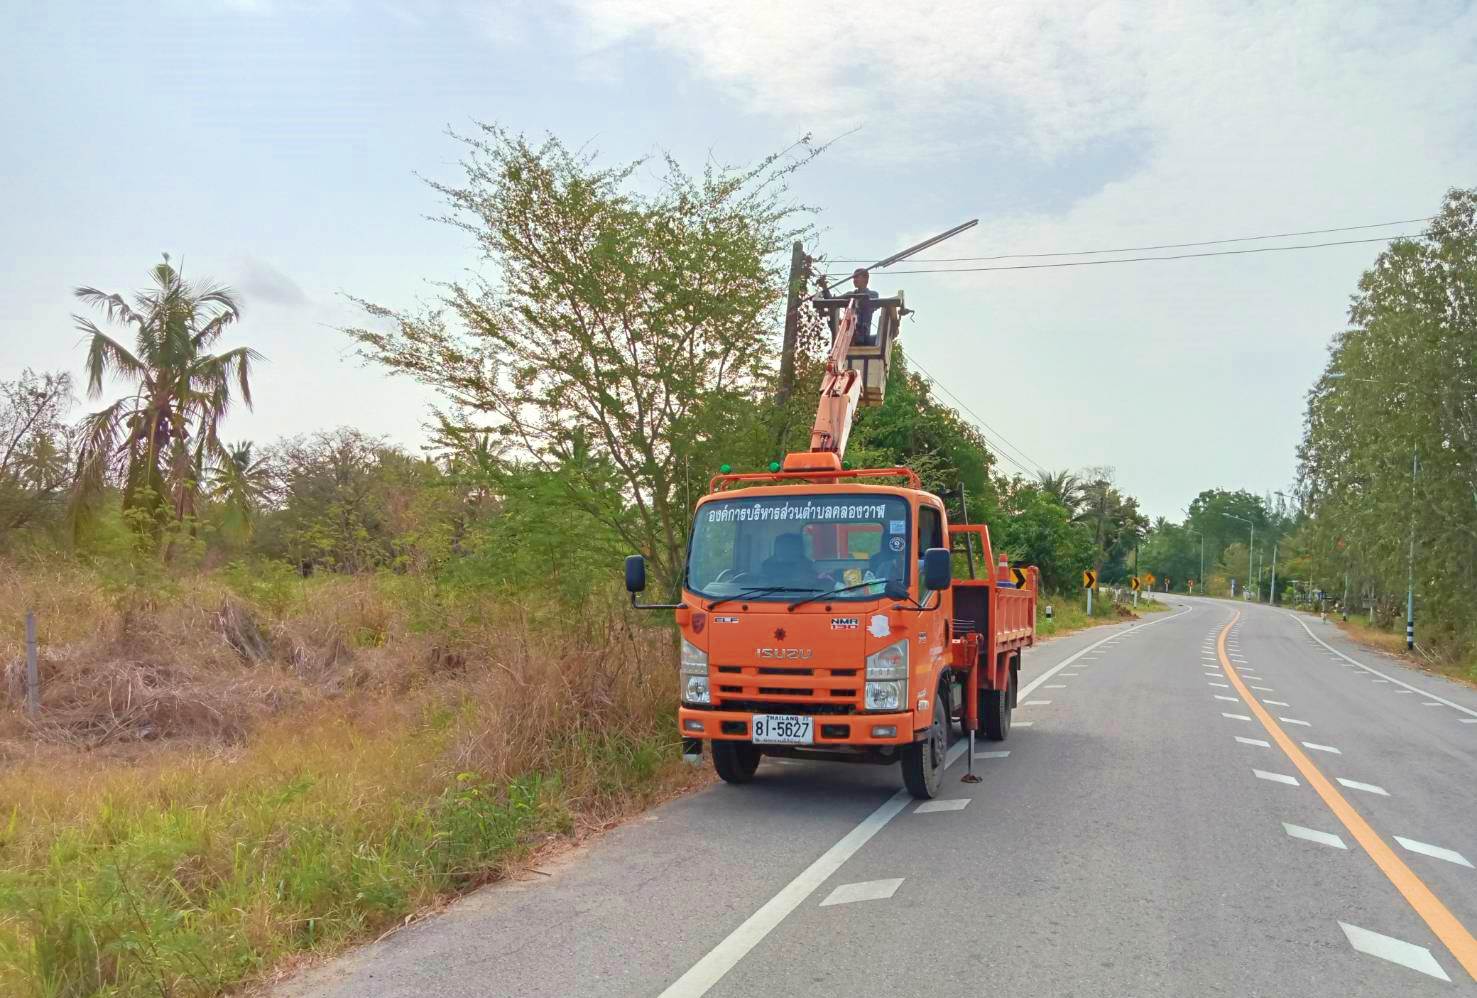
[159, 438]
[240, 482]
[1063, 486]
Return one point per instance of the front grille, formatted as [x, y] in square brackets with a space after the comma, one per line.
[787, 688]
[786, 706]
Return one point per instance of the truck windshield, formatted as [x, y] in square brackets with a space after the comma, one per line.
[799, 543]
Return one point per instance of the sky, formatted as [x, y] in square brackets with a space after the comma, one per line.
[283, 148]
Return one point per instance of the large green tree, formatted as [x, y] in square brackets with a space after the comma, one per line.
[160, 436]
[1389, 453]
[631, 315]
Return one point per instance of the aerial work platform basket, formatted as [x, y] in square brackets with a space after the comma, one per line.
[868, 356]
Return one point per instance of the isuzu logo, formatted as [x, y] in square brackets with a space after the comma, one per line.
[790, 653]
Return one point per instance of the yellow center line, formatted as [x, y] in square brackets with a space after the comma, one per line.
[1426, 904]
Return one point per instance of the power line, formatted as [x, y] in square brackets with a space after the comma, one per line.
[985, 427]
[1161, 246]
[1147, 259]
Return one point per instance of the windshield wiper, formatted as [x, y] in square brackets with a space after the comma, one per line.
[760, 591]
[844, 589]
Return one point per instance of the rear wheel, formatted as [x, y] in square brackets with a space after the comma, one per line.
[735, 761]
[923, 762]
[996, 708]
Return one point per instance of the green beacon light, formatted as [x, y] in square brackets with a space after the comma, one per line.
[725, 468]
[845, 465]
[774, 466]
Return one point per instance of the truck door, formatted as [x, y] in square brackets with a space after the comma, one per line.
[930, 624]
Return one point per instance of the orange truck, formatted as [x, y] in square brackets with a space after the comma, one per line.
[837, 614]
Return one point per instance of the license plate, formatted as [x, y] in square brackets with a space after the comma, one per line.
[784, 729]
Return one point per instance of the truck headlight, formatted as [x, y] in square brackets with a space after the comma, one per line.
[886, 695]
[694, 659]
[695, 690]
[889, 663]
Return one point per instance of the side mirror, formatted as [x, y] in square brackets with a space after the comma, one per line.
[938, 569]
[635, 574]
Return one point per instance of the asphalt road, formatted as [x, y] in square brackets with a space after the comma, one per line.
[1225, 800]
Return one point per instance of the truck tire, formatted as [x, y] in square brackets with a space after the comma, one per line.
[735, 761]
[923, 762]
[995, 710]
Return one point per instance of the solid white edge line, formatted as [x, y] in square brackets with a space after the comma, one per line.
[719, 960]
[1366, 668]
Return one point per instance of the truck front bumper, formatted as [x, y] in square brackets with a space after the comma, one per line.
[830, 729]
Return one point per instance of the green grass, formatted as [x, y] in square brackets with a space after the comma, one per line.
[1070, 613]
[188, 875]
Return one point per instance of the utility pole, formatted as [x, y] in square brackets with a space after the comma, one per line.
[1273, 594]
[1202, 553]
[799, 270]
[1415, 463]
[1345, 603]
[1250, 549]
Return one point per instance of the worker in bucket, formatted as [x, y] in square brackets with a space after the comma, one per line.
[864, 297]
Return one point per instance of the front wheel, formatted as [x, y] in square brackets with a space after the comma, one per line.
[923, 762]
[735, 761]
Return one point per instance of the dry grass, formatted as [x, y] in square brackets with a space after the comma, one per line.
[1393, 643]
[232, 772]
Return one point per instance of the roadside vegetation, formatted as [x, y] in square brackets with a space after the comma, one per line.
[295, 692]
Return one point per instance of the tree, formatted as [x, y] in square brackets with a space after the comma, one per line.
[1063, 486]
[240, 482]
[913, 429]
[35, 446]
[160, 438]
[1400, 388]
[1036, 528]
[638, 320]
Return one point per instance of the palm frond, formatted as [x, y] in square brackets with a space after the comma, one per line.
[113, 305]
[105, 354]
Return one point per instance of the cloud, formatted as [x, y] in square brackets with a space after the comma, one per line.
[1111, 124]
[261, 282]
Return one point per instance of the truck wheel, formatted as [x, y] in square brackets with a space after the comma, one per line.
[735, 761]
[923, 762]
[995, 710]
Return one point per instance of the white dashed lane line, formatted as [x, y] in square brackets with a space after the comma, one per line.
[1236, 717]
[1313, 835]
[1253, 741]
[1037, 703]
[1277, 703]
[1417, 958]
[1224, 686]
[1220, 696]
[1367, 787]
[1425, 849]
[1293, 720]
[1262, 774]
[1321, 748]
[952, 804]
[999, 754]
[1264, 689]
[871, 890]
[1021, 724]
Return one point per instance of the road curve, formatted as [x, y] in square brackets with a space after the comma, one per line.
[1222, 800]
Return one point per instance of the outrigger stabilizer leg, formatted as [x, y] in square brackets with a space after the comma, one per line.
[969, 776]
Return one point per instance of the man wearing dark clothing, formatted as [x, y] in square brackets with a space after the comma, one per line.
[864, 296]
